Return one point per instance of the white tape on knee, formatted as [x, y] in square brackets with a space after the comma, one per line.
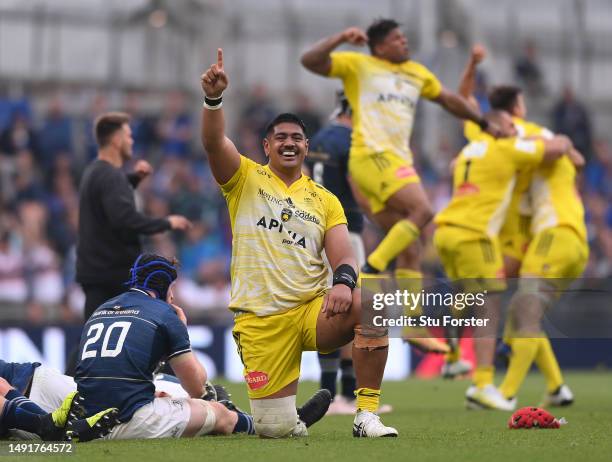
[209, 421]
[274, 418]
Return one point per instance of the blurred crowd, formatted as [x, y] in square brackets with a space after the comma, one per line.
[44, 151]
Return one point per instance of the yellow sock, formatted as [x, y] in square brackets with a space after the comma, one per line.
[454, 355]
[483, 376]
[400, 236]
[412, 281]
[524, 351]
[546, 361]
[368, 399]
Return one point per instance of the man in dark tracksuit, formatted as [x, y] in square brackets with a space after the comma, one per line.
[109, 224]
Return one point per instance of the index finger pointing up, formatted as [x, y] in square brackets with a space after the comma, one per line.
[219, 58]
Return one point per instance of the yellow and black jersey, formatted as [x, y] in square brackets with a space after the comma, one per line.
[278, 237]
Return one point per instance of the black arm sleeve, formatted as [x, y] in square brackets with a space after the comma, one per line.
[119, 206]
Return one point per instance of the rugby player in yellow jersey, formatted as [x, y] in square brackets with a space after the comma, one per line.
[467, 231]
[281, 223]
[383, 88]
[515, 234]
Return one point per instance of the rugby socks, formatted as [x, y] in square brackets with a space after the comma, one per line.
[244, 424]
[24, 402]
[411, 281]
[400, 236]
[546, 361]
[329, 371]
[368, 399]
[14, 416]
[483, 376]
[524, 351]
[347, 380]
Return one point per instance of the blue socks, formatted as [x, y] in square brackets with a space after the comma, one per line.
[244, 424]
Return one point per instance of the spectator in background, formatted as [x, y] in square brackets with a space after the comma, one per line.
[257, 112]
[41, 265]
[175, 128]
[18, 136]
[304, 110]
[143, 126]
[527, 70]
[598, 172]
[571, 118]
[55, 135]
[13, 288]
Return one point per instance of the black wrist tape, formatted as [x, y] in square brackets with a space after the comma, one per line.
[345, 274]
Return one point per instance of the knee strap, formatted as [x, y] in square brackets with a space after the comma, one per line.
[370, 338]
[274, 418]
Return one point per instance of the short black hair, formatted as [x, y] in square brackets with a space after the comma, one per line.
[107, 124]
[378, 31]
[504, 97]
[285, 117]
[153, 272]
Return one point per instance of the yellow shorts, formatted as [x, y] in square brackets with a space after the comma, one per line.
[379, 175]
[557, 253]
[515, 236]
[271, 347]
[472, 257]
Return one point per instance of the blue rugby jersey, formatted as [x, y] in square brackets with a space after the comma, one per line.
[121, 346]
[328, 163]
[18, 375]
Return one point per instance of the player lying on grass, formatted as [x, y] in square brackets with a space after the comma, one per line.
[543, 198]
[467, 231]
[122, 344]
[281, 223]
[47, 388]
[67, 422]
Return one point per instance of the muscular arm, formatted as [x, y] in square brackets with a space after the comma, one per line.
[338, 247]
[190, 373]
[318, 60]
[556, 147]
[458, 106]
[468, 78]
[223, 156]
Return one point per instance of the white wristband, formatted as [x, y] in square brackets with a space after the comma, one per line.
[212, 108]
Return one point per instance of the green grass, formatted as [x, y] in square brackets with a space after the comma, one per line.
[433, 426]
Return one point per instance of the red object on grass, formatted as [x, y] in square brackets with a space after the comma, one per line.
[533, 417]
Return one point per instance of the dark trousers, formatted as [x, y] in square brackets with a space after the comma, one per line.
[95, 295]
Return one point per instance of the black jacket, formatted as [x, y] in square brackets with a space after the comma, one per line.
[109, 225]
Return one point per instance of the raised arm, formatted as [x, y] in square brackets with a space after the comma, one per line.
[460, 107]
[318, 60]
[223, 156]
[468, 78]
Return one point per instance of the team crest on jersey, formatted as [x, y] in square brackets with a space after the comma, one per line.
[286, 215]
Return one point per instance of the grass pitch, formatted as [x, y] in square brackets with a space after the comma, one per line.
[433, 426]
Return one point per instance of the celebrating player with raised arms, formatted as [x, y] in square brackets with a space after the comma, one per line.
[281, 223]
[383, 88]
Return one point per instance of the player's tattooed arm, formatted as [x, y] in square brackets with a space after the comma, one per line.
[318, 60]
[223, 156]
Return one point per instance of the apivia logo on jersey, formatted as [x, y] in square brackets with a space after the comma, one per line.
[272, 224]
